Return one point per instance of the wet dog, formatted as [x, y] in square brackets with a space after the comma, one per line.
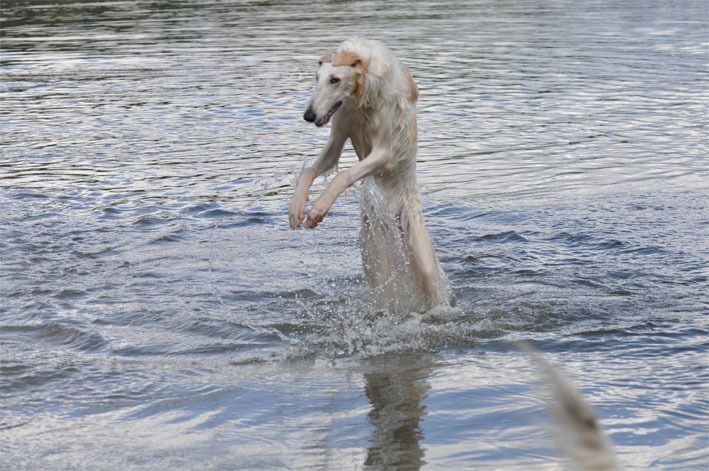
[370, 96]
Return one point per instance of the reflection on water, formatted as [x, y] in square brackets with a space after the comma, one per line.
[156, 311]
[396, 389]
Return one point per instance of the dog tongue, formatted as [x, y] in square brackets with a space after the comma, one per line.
[322, 121]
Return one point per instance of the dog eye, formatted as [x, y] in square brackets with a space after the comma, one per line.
[334, 79]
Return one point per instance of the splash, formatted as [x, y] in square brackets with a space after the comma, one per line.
[353, 324]
[386, 260]
[387, 310]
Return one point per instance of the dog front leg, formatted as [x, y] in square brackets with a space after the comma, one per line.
[296, 210]
[343, 180]
[327, 159]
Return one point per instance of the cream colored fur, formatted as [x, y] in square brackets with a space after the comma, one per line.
[578, 430]
[371, 97]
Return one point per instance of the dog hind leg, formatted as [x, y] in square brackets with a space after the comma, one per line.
[423, 255]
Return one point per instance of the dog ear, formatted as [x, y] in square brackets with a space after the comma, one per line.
[359, 65]
[373, 78]
[325, 58]
[370, 71]
[358, 90]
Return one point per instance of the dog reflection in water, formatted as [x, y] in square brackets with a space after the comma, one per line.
[396, 386]
[370, 96]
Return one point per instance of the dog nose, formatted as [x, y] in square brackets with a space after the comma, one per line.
[309, 115]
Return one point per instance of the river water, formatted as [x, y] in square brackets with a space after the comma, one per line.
[157, 312]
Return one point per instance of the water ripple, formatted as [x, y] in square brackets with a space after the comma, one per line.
[151, 288]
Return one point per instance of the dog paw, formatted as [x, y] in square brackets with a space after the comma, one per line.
[296, 211]
[317, 214]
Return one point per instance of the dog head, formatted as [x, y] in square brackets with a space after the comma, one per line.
[340, 77]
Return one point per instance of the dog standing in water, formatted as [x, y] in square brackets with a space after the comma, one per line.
[371, 97]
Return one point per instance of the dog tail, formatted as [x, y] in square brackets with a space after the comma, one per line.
[578, 430]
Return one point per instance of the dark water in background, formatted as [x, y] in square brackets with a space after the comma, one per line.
[156, 311]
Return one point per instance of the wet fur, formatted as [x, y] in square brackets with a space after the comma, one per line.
[378, 115]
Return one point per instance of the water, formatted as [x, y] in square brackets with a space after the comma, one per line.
[156, 311]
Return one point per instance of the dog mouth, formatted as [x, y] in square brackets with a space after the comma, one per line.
[323, 121]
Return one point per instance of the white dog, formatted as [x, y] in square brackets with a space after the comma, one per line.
[371, 97]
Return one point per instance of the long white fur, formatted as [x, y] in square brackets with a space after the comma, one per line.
[378, 115]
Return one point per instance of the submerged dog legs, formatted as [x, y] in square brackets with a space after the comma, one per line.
[423, 255]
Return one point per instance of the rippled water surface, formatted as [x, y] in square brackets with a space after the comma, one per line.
[156, 311]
